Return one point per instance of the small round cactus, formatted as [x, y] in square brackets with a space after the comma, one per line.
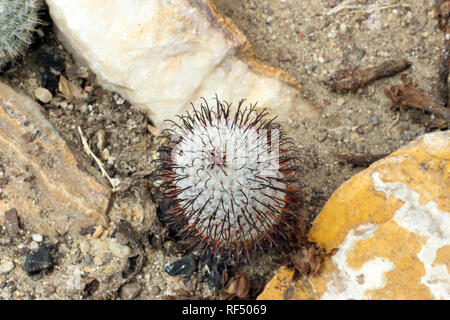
[18, 19]
[229, 180]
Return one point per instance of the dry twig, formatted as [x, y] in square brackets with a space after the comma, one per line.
[349, 80]
[352, 5]
[99, 163]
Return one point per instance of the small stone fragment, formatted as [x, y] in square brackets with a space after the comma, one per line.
[122, 239]
[283, 55]
[87, 230]
[6, 266]
[130, 291]
[183, 267]
[6, 295]
[98, 261]
[37, 237]
[38, 261]
[155, 290]
[33, 245]
[50, 289]
[119, 250]
[84, 246]
[12, 222]
[43, 95]
[98, 232]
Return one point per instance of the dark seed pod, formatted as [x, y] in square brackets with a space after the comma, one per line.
[229, 180]
[183, 267]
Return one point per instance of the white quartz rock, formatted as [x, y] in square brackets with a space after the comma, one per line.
[161, 55]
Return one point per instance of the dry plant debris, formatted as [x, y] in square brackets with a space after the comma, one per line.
[350, 80]
[408, 96]
[363, 160]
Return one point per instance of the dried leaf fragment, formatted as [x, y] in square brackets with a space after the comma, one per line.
[408, 96]
[70, 90]
[237, 287]
[363, 160]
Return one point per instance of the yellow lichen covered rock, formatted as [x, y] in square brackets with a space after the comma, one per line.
[391, 225]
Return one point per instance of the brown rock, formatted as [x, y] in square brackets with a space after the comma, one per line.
[53, 187]
[12, 222]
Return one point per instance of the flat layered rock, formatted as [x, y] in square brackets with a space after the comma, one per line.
[49, 186]
[162, 55]
[391, 225]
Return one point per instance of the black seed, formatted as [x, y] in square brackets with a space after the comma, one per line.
[38, 261]
[183, 267]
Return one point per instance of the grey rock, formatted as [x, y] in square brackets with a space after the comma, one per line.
[130, 291]
[38, 261]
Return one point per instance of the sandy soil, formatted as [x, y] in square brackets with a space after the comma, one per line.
[298, 36]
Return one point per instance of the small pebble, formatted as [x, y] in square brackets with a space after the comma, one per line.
[33, 245]
[6, 295]
[88, 259]
[373, 119]
[340, 101]
[6, 267]
[283, 55]
[183, 267]
[43, 95]
[322, 136]
[98, 261]
[98, 232]
[12, 222]
[119, 250]
[84, 246]
[155, 290]
[130, 291]
[122, 239]
[50, 289]
[37, 237]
